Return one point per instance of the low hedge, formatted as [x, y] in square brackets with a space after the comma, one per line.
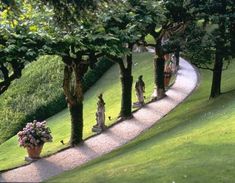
[38, 94]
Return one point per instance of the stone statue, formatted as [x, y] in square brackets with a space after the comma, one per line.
[139, 89]
[140, 47]
[167, 70]
[174, 65]
[100, 115]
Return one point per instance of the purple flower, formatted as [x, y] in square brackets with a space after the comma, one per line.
[34, 134]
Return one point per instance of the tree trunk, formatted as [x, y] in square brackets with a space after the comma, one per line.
[8, 77]
[126, 103]
[126, 82]
[160, 77]
[217, 76]
[74, 98]
[159, 63]
[232, 33]
[155, 70]
[219, 56]
[177, 57]
[76, 112]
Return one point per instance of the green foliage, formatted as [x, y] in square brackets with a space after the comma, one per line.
[39, 94]
[19, 41]
[68, 13]
[213, 31]
[198, 46]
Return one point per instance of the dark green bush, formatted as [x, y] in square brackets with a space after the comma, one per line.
[38, 94]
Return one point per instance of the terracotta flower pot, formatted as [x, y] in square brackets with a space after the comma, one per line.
[34, 152]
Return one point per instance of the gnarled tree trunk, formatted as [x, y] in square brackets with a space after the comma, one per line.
[160, 77]
[159, 63]
[126, 102]
[177, 56]
[219, 56]
[76, 113]
[8, 77]
[74, 98]
[217, 76]
[126, 82]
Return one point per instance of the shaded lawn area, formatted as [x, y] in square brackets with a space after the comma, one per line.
[12, 155]
[194, 143]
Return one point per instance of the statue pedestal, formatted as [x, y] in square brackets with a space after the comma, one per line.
[28, 159]
[137, 104]
[154, 95]
[98, 129]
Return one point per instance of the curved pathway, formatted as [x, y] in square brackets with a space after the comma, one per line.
[112, 138]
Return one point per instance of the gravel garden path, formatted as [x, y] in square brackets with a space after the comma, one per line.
[114, 137]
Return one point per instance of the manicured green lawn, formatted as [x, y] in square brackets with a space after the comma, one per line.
[194, 143]
[12, 155]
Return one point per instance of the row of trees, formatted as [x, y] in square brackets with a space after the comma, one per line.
[211, 38]
[82, 31]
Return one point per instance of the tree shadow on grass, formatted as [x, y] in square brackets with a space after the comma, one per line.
[228, 92]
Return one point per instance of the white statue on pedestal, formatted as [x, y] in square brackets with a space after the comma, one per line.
[100, 115]
[139, 89]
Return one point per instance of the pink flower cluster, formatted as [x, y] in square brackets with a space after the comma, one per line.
[34, 134]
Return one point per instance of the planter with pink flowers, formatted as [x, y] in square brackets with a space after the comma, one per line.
[33, 137]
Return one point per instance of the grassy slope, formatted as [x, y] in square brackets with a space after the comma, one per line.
[194, 143]
[10, 153]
